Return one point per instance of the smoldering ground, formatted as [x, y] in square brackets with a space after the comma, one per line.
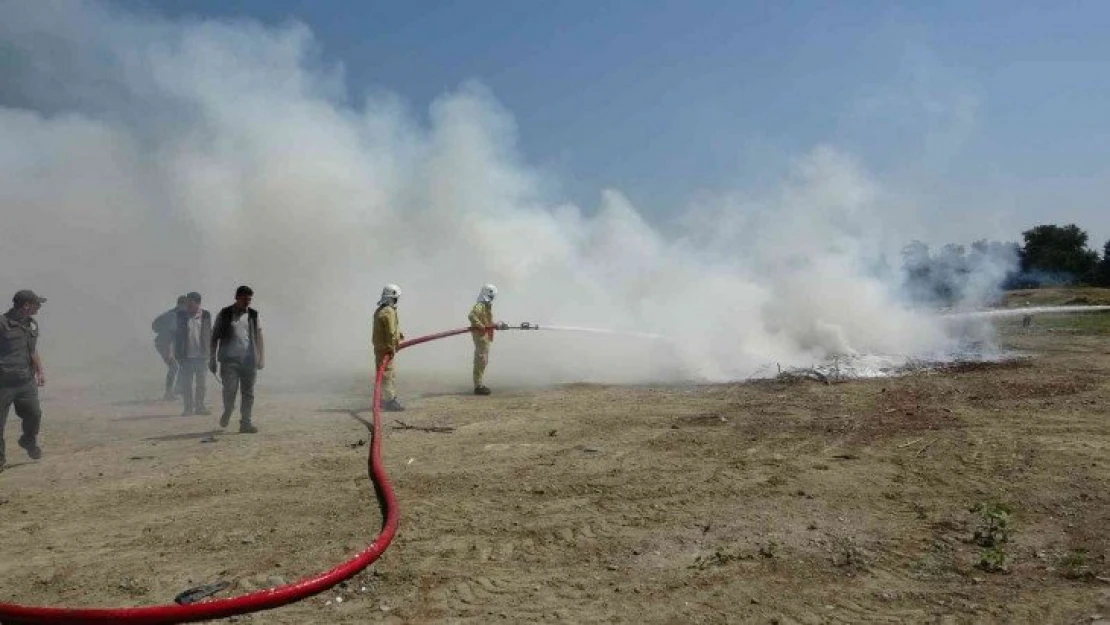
[141, 158]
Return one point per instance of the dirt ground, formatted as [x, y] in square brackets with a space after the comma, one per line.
[763, 502]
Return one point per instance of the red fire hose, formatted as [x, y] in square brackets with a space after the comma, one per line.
[11, 614]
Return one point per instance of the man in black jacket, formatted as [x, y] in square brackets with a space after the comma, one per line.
[190, 351]
[21, 371]
[165, 327]
[237, 344]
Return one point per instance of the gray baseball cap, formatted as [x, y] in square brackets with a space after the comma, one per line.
[27, 296]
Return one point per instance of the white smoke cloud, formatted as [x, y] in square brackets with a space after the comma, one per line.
[142, 158]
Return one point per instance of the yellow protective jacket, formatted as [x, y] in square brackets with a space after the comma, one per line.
[387, 329]
[481, 316]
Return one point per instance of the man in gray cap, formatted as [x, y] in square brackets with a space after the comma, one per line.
[21, 371]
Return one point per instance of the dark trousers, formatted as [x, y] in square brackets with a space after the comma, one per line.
[25, 397]
[163, 347]
[192, 372]
[238, 376]
[171, 379]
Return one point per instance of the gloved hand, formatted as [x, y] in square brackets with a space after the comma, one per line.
[212, 365]
[502, 326]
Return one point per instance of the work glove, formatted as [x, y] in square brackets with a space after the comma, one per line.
[212, 365]
[502, 326]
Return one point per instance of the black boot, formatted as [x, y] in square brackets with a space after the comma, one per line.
[31, 447]
[393, 406]
[481, 390]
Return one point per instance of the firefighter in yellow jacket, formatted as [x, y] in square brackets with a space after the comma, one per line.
[481, 330]
[387, 338]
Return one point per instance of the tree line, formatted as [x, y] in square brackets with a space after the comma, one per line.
[1050, 255]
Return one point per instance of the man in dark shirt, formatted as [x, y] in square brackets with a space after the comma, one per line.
[21, 371]
[237, 344]
[165, 328]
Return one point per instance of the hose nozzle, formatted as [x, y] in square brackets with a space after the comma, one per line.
[527, 325]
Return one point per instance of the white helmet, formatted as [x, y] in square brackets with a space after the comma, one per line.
[390, 294]
[486, 295]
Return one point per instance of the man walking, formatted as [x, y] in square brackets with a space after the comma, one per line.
[237, 344]
[387, 338]
[481, 330]
[21, 371]
[190, 351]
[165, 326]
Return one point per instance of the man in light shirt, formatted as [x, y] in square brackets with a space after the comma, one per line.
[190, 351]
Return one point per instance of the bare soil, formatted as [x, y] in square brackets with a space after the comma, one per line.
[760, 502]
[1059, 296]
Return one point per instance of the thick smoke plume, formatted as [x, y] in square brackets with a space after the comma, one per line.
[953, 277]
[142, 158]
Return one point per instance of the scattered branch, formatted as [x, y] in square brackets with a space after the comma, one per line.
[401, 425]
[925, 447]
[795, 375]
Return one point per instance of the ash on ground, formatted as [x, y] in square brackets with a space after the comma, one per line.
[867, 366]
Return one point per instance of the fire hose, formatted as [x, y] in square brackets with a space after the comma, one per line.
[13, 614]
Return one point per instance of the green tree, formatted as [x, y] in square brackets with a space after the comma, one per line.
[1102, 275]
[1059, 251]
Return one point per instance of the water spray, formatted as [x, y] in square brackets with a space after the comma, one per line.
[1021, 312]
[638, 335]
[527, 325]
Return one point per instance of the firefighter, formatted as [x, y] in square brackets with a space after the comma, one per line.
[387, 338]
[481, 330]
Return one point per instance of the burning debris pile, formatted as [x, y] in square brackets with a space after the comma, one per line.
[867, 366]
[967, 353]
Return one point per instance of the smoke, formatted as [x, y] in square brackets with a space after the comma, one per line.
[142, 158]
[952, 277]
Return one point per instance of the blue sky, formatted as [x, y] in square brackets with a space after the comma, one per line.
[991, 115]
